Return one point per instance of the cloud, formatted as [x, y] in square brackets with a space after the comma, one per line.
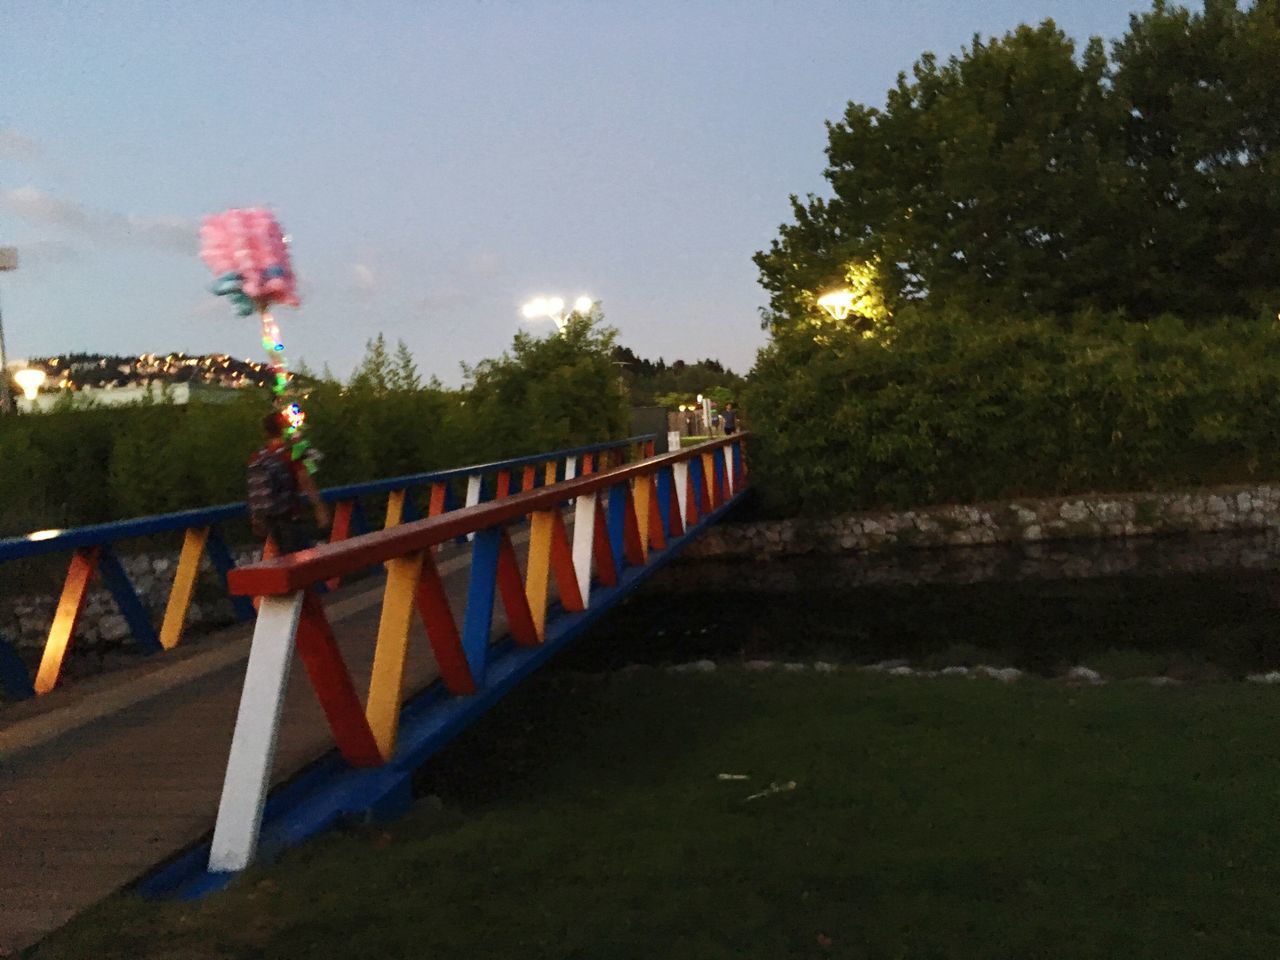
[365, 280]
[171, 234]
[15, 145]
[44, 253]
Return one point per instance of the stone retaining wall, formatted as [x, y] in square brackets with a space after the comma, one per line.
[1086, 517]
[25, 621]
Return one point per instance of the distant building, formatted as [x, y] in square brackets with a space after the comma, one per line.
[111, 396]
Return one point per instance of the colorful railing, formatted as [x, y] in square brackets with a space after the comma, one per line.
[626, 522]
[93, 549]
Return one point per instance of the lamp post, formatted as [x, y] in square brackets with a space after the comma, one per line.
[8, 261]
[552, 308]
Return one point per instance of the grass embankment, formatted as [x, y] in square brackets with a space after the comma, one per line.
[942, 818]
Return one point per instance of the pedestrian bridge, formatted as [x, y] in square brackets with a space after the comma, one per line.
[171, 775]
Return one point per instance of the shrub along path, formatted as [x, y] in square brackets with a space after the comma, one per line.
[930, 818]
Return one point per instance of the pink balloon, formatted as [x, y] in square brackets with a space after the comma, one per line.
[250, 242]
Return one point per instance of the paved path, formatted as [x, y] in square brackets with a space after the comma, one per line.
[103, 780]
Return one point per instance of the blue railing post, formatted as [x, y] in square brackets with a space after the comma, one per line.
[481, 590]
[697, 484]
[131, 607]
[220, 557]
[666, 488]
[13, 673]
[617, 524]
[720, 481]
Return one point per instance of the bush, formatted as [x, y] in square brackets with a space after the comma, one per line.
[946, 408]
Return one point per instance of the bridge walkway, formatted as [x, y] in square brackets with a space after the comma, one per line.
[94, 794]
[105, 779]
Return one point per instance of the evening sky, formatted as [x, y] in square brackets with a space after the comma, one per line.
[437, 163]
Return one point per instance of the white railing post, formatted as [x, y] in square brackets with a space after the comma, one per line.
[680, 480]
[253, 748]
[473, 494]
[584, 536]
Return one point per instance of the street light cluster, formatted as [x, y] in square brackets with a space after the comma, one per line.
[552, 308]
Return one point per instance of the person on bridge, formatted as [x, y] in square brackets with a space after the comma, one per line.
[730, 419]
[278, 483]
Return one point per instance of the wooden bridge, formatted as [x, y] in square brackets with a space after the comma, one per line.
[173, 774]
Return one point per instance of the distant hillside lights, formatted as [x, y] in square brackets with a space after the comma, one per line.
[83, 380]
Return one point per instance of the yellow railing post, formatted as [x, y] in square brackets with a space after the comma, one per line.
[184, 586]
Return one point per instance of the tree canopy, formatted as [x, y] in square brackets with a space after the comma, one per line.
[1029, 176]
[651, 382]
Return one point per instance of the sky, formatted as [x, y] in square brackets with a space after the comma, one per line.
[436, 163]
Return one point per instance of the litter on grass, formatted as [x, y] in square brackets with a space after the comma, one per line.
[774, 788]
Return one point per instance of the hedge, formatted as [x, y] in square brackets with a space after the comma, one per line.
[948, 408]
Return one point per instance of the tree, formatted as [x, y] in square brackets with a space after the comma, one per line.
[404, 371]
[1202, 125]
[558, 390]
[649, 383]
[1022, 178]
[374, 374]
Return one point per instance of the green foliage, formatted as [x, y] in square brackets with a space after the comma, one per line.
[78, 466]
[951, 409]
[658, 383]
[557, 390]
[1026, 177]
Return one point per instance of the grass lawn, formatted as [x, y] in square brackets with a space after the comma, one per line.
[931, 818]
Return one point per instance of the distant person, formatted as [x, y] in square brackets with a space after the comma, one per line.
[278, 484]
[730, 419]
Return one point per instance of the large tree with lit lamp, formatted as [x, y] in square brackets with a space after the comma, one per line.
[1028, 175]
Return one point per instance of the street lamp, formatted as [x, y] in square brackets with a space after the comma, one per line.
[838, 303]
[552, 308]
[8, 261]
[30, 380]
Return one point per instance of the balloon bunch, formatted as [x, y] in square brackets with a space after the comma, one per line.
[247, 251]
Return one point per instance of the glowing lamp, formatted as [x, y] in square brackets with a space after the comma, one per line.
[838, 303]
[582, 305]
[30, 380]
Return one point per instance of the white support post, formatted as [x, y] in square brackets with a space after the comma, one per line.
[253, 748]
[584, 537]
[726, 455]
[571, 471]
[680, 480]
[473, 495]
